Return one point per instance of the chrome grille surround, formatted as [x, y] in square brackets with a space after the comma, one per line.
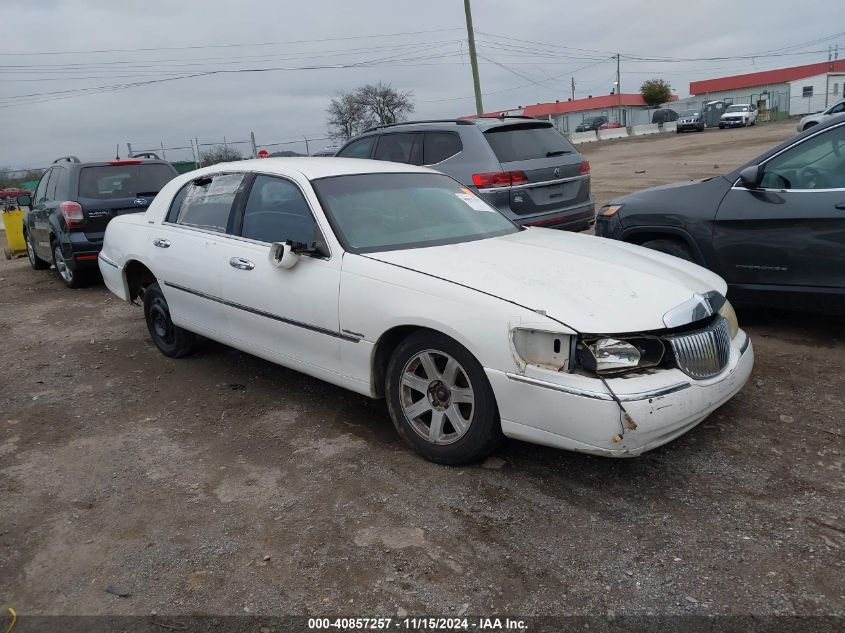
[702, 353]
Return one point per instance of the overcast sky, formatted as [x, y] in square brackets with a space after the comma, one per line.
[529, 50]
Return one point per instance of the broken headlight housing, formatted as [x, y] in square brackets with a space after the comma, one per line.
[608, 355]
[549, 350]
[727, 311]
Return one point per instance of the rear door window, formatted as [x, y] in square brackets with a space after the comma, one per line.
[439, 146]
[123, 181]
[358, 149]
[400, 148]
[526, 141]
[206, 202]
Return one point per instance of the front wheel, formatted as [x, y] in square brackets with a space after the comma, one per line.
[170, 339]
[440, 400]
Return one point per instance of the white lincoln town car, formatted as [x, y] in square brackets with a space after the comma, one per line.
[396, 281]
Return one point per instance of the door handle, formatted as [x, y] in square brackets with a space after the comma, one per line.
[161, 242]
[841, 206]
[241, 264]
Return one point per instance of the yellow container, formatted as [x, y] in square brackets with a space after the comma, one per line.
[15, 244]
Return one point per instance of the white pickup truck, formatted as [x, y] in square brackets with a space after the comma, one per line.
[738, 115]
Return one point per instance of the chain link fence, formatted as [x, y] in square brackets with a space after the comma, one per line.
[193, 154]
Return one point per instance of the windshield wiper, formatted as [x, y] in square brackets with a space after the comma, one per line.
[558, 152]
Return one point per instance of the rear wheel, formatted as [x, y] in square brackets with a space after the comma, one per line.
[170, 339]
[440, 400]
[671, 247]
[71, 277]
[34, 260]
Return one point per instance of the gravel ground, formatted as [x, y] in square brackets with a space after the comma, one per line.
[223, 484]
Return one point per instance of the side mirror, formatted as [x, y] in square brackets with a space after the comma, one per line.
[282, 255]
[750, 177]
[24, 201]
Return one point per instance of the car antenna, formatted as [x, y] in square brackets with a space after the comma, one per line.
[117, 152]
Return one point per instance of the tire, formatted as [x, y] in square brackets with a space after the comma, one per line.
[671, 247]
[469, 430]
[170, 339]
[35, 262]
[721, 127]
[71, 277]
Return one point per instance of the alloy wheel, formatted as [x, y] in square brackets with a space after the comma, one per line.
[61, 266]
[437, 397]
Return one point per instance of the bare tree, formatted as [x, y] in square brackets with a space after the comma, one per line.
[384, 104]
[347, 116]
[350, 113]
[219, 154]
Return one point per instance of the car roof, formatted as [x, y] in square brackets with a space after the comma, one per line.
[316, 167]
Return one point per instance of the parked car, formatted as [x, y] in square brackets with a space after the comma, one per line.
[522, 166]
[73, 203]
[690, 120]
[664, 115]
[814, 119]
[397, 281]
[738, 115]
[773, 228]
[326, 151]
[590, 124]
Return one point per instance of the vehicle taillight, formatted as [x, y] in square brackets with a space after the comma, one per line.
[72, 212]
[499, 179]
[585, 168]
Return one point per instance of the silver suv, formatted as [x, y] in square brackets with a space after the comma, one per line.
[520, 165]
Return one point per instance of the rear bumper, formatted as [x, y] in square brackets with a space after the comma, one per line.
[577, 413]
[80, 252]
[571, 219]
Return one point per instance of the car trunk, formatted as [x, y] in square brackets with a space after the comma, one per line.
[552, 167]
[98, 213]
[106, 191]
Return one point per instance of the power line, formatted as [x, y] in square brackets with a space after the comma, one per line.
[238, 45]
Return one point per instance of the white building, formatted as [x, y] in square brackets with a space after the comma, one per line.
[794, 91]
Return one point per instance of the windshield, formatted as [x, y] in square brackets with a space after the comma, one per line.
[737, 108]
[689, 113]
[124, 181]
[384, 212]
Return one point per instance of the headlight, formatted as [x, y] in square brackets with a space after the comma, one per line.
[727, 311]
[609, 210]
[544, 349]
[610, 355]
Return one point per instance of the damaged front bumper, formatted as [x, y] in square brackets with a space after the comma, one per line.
[578, 413]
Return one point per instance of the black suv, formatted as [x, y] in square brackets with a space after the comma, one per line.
[773, 228]
[74, 201]
[591, 124]
[520, 165]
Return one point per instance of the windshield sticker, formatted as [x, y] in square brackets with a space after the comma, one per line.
[474, 202]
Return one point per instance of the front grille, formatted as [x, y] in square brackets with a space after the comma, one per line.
[703, 353]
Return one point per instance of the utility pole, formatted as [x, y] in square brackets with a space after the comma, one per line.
[479, 108]
[573, 87]
[618, 89]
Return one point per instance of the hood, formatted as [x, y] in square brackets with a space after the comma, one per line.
[591, 284]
